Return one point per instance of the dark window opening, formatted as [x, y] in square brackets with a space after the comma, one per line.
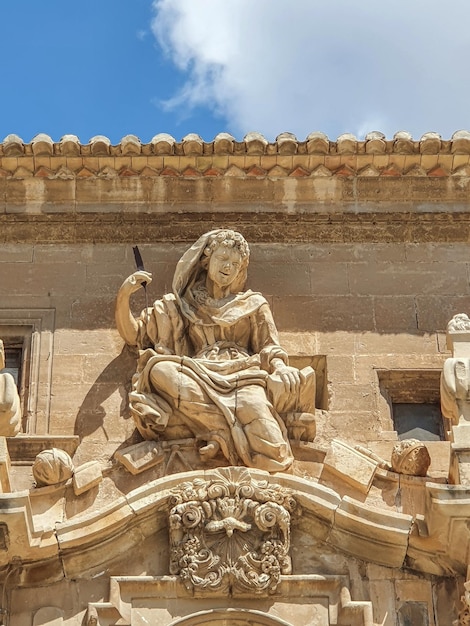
[414, 400]
[418, 421]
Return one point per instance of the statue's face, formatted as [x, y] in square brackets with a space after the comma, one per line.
[224, 265]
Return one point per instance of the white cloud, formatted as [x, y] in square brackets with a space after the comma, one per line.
[335, 65]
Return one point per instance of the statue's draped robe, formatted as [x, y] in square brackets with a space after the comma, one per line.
[229, 350]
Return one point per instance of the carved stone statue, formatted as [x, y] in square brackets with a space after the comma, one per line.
[10, 409]
[455, 396]
[210, 363]
[455, 381]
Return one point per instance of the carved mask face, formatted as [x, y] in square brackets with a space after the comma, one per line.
[224, 265]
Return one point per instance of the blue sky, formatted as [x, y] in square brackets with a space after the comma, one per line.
[85, 68]
[114, 67]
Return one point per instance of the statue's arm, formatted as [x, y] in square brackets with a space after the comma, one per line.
[125, 321]
[273, 357]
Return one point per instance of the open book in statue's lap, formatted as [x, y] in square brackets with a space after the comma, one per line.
[210, 363]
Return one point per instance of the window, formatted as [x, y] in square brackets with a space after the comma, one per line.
[413, 397]
[27, 335]
[14, 358]
[418, 421]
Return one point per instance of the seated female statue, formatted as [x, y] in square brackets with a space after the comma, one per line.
[210, 364]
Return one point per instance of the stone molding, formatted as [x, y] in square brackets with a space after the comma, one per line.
[435, 543]
[184, 227]
[330, 594]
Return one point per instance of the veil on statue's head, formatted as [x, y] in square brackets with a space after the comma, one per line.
[193, 264]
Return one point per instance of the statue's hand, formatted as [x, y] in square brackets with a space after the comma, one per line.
[135, 281]
[290, 377]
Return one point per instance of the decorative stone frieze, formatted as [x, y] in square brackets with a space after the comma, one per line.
[230, 534]
[464, 613]
[347, 157]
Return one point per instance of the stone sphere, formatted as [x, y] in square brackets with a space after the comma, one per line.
[52, 467]
[411, 457]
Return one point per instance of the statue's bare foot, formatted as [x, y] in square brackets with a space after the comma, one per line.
[209, 451]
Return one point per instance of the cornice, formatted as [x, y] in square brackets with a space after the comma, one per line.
[286, 157]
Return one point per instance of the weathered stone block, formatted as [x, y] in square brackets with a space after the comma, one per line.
[140, 457]
[86, 477]
[352, 466]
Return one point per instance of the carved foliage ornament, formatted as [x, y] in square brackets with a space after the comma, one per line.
[231, 533]
[464, 614]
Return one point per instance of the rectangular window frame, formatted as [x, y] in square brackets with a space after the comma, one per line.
[411, 386]
[36, 329]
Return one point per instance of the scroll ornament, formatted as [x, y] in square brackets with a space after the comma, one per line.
[231, 533]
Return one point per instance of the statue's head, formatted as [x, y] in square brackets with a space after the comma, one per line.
[196, 261]
[225, 258]
[229, 239]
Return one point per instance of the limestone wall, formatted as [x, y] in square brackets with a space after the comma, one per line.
[364, 307]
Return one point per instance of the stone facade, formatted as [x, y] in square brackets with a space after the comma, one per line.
[361, 250]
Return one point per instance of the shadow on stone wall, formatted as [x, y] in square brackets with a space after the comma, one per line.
[116, 377]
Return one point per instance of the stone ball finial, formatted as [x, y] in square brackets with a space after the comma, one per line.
[410, 457]
[52, 467]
